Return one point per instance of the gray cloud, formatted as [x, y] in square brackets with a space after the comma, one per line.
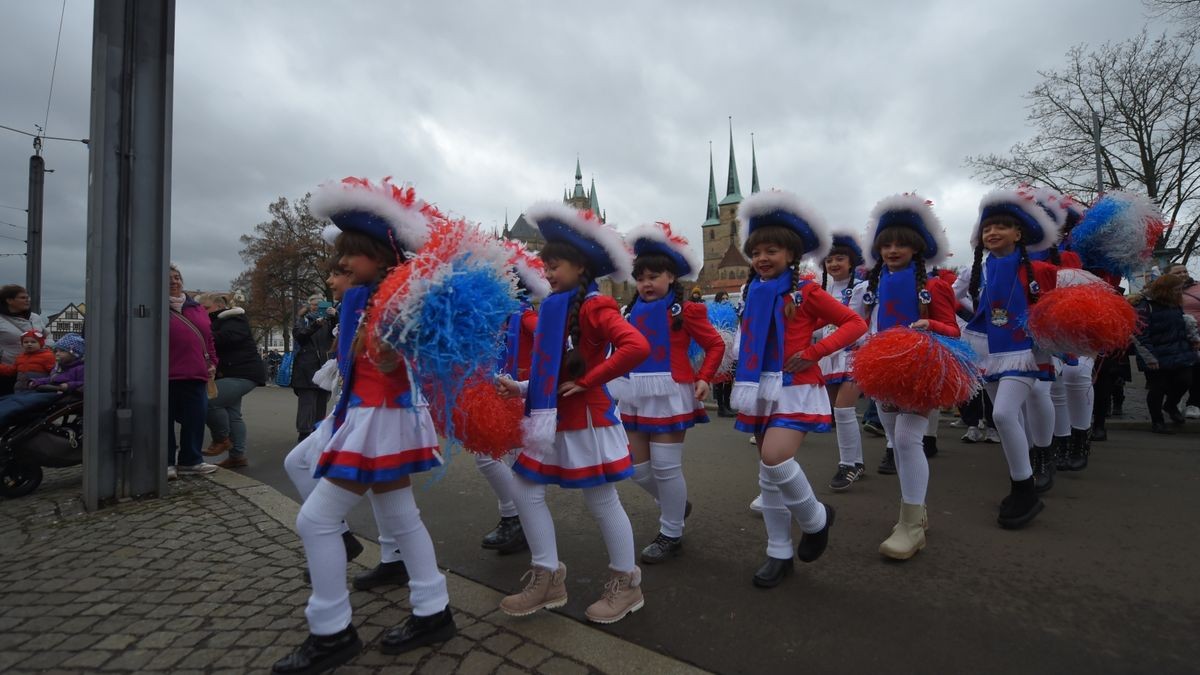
[484, 106]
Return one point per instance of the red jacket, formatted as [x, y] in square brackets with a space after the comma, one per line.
[1070, 260]
[40, 362]
[695, 327]
[525, 344]
[601, 325]
[373, 388]
[817, 309]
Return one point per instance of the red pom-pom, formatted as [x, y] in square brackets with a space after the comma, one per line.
[1086, 319]
[914, 370]
[484, 423]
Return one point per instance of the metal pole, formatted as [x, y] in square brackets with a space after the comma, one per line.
[128, 242]
[33, 241]
[1099, 164]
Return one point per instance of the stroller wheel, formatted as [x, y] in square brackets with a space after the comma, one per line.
[19, 477]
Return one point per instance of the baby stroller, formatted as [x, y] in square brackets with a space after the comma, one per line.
[50, 437]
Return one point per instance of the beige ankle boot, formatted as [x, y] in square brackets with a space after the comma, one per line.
[908, 536]
[546, 589]
[622, 596]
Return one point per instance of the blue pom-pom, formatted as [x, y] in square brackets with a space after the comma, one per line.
[722, 316]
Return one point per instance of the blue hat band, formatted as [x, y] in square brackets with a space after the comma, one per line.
[651, 247]
[1032, 226]
[364, 222]
[792, 222]
[597, 257]
[912, 221]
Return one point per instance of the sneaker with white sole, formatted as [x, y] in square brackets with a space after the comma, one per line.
[1192, 412]
[845, 477]
[200, 469]
[622, 597]
[757, 505]
[958, 423]
[172, 474]
[974, 435]
[753, 440]
[992, 436]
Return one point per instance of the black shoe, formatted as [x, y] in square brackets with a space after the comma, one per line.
[354, 547]
[845, 477]
[1021, 505]
[1081, 447]
[1099, 434]
[661, 548]
[1060, 453]
[773, 571]
[687, 510]
[1161, 428]
[873, 428]
[1043, 468]
[384, 574]
[888, 465]
[1176, 416]
[320, 653]
[508, 537]
[813, 545]
[419, 631]
[930, 443]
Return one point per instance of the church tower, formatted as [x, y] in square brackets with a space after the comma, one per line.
[719, 230]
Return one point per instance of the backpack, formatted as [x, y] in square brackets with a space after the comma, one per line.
[283, 377]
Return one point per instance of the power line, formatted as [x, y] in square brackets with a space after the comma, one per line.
[10, 254]
[19, 227]
[48, 138]
[14, 208]
[54, 67]
[5, 236]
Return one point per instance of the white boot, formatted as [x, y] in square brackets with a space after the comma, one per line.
[908, 536]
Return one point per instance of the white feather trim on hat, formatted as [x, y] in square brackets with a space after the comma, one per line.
[409, 224]
[771, 201]
[661, 233]
[1025, 199]
[920, 207]
[590, 228]
[330, 234]
[530, 268]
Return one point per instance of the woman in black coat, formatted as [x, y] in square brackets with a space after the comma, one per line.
[313, 341]
[1166, 349]
[240, 370]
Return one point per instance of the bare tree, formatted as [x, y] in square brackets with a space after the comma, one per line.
[287, 257]
[1146, 92]
[1187, 11]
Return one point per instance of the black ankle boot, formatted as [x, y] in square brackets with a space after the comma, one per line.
[384, 574]
[1043, 468]
[508, 537]
[1021, 505]
[888, 465]
[1060, 453]
[320, 653]
[930, 443]
[811, 546]
[419, 631]
[1080, 449]
[773, 572]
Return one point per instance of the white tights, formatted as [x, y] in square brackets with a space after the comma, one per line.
[605, 506]
[1008, 395]
[907, 431]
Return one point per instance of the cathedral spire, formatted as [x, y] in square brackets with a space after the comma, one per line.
[753, 166]
[733, 191]
[578, 193]
[713, 217]
[593, 202]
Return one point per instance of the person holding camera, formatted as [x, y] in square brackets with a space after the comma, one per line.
[312, 342]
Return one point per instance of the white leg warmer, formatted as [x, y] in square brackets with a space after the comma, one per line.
[849, 437]
[320, 526]
[797, 494]
[500, 476]
[397, 511]
[666, 459]
[778, 520]
[605, 505]
[1078, 382]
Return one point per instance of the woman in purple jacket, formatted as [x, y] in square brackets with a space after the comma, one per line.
[67, 377]
[193, 362]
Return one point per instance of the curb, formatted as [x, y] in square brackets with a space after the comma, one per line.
[559, 633]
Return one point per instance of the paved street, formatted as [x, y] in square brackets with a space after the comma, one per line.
[1103, 581]
[210, 578]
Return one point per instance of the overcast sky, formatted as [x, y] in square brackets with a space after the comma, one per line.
[485, 105]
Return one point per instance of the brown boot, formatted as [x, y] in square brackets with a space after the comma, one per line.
[622, 596]
[232, 462]
[218, 448]
[547, 589]
[908, 535]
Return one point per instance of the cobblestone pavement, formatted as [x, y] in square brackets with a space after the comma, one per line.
[210, 579]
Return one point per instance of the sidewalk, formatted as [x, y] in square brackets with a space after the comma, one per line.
[210, 579]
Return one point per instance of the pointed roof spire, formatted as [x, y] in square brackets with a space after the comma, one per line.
[713, 216]
[733, 191]
[593, 202]
[578, 192]
[753, 166]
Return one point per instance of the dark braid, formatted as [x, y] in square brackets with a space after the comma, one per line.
[629, 307]
[1030, 296]
[825, 278]
[677, 323]
[1055, 258]
[976, 275]
[873, 283]
[789, 308]
[572, 362]
[918, 262]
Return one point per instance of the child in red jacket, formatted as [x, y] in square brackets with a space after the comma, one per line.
[778, 389]
[663, 397]
[35, 360]
[572, 437]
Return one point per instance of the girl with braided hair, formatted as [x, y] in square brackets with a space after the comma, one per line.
[905, 237]
[572, 436]
[778, 389]
[1001, 290]
[838, 280]
[663, 397]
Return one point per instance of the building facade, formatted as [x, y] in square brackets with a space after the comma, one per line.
[725, 269]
